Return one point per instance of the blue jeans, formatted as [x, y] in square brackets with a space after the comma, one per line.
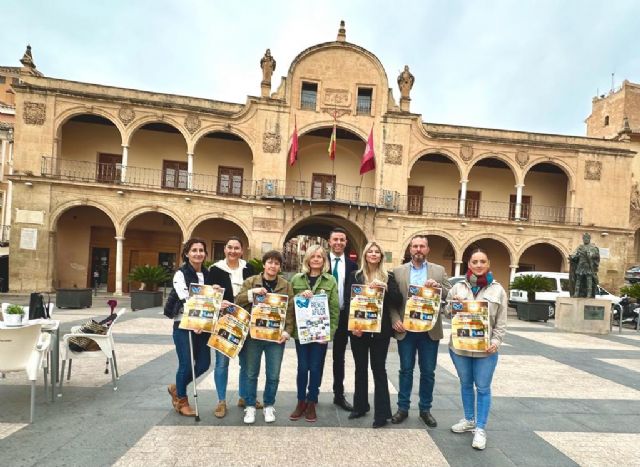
[221, 375]
[478, 372]
[201, 355]
[310, 368]
[427, 350]
[273, 353]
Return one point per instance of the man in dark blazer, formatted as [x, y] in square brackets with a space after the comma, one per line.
[417, 272]
[340, 267]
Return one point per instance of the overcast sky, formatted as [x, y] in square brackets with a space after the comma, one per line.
[531, 65]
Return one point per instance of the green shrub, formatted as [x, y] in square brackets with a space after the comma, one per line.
[151, 276]
[531, 283]
[14, 310]
[257, 265]
[632, 290]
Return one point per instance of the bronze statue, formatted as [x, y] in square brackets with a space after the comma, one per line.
[268, 65]
[405, 82]
[583, 273]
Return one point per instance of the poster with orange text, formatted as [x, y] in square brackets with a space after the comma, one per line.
[422, 308]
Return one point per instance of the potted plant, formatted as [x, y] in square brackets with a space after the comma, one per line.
[13, 315]
[149, 277]
[532, 310]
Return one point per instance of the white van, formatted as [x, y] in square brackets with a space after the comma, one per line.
[559, 284]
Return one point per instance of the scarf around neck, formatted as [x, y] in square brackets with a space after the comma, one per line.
[479, 282]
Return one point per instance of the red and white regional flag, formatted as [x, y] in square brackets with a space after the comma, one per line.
[369, 157]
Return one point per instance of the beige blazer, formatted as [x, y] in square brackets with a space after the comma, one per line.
[435, 272]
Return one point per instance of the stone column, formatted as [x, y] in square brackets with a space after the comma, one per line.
[518, 210]
[512, 274]
[458, 266]
[463, 197]
[4, 152]
[125, 162]
[189, 171]
[119, 256]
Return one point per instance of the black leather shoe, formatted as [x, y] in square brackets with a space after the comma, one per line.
[355, 414]
[428, 419]
[340, 401]
[399, 417]
[379, 423]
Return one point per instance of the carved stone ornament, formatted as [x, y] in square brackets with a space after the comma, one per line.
[336, 112]
[34, 113]
[271, 142]
[337, 97]
[192, 123]
[522, 157]
[126, 115]
[466, 152]
[592, 170]
[393, 154]
[635, 197]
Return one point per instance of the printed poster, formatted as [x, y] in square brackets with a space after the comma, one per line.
[267, 316]
[312, 319]
[365, 308]
[230, 331]
[202, 307]
[470, 325]
[422, 308]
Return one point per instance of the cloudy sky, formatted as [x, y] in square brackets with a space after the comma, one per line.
[530, 65]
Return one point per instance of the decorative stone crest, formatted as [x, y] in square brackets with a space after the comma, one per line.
[126, 115]
[336, 112]
[592, 170]
[522, 157]
[192, 123]
[271, 142]
[466, 152]
[34, 113]
[338, 97]
[635, 197]
[393, 154]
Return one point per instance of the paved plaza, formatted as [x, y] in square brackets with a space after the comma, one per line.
[559, 399]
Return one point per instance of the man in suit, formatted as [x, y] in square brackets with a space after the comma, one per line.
[417, 272]
[341, 267]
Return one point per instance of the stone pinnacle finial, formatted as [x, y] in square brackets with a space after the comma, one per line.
[342, 33]
[625, 124]
[27, 59]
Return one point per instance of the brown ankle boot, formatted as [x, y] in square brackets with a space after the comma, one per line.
[183, 407]
[174, 394]
[310, 413]
[299, 411]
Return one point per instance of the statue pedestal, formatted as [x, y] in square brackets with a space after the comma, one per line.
[585, 315]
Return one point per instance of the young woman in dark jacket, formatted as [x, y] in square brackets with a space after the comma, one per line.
[373, 272]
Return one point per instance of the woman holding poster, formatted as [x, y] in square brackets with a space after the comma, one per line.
[269, 282]
[372, 272]
[191, 272]
[476, 368]
[313, 280]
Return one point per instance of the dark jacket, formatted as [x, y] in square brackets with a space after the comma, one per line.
[392, 298]
[174, 305]
[223, 279]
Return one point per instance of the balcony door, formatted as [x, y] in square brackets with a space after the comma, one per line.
[174, 174]
[230, 181]
[109, 168]
[472, 204]
[323, 186]
[525, 209]
[415, 196]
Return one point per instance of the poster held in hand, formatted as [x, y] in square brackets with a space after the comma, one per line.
[230, 331]
[470, 325]
[267, 316]
[422, 308]
[201, 308]
[365, 308]
[312, 318]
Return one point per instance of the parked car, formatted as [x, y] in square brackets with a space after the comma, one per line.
[632, 275]
[559, 285]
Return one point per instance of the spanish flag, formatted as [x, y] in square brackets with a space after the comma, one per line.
[332, 144]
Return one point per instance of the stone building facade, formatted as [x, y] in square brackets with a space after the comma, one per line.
[108, 178]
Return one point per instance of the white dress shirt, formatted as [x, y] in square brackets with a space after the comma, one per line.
[341, 276]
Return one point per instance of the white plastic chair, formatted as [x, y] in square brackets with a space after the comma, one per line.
[23, 349]
[107, 349]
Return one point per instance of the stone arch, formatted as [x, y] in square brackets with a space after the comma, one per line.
[221, 215]
[58, 211]
[562, 249]
[122, 228]
[234, 130]
[568, 171]
[328, 124]
[140, 122]
[438, 232]
[431, 151]
[68, 114]
[292, 224]
[493, 236]
[517, 176]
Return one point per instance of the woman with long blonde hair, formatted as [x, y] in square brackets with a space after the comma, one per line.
[373, 272]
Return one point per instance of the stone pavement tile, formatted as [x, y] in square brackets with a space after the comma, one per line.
[628, 363]
[166, 445]
[559, 406]
[596, 448]
[458, 451]
[610, 423]
[531, 421]
[7, 429]
[527, 449]
[573, 341]
[513, 322]
[515, 376]
[144, 325]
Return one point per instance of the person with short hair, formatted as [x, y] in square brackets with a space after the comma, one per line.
[230, 273]
[313, 280]
[269, 281]
[476, 368]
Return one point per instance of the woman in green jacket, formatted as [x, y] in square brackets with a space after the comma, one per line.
[313, 280]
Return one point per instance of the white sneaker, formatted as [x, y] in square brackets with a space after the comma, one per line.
[463, 426]
[269, 414]
[479, 439]
[250, 415]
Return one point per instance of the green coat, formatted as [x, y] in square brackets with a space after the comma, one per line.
[325, 284]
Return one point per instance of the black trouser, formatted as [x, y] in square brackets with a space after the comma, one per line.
[340, 339]
[361, 347]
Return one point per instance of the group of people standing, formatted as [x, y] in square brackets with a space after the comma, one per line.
[332, 273]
